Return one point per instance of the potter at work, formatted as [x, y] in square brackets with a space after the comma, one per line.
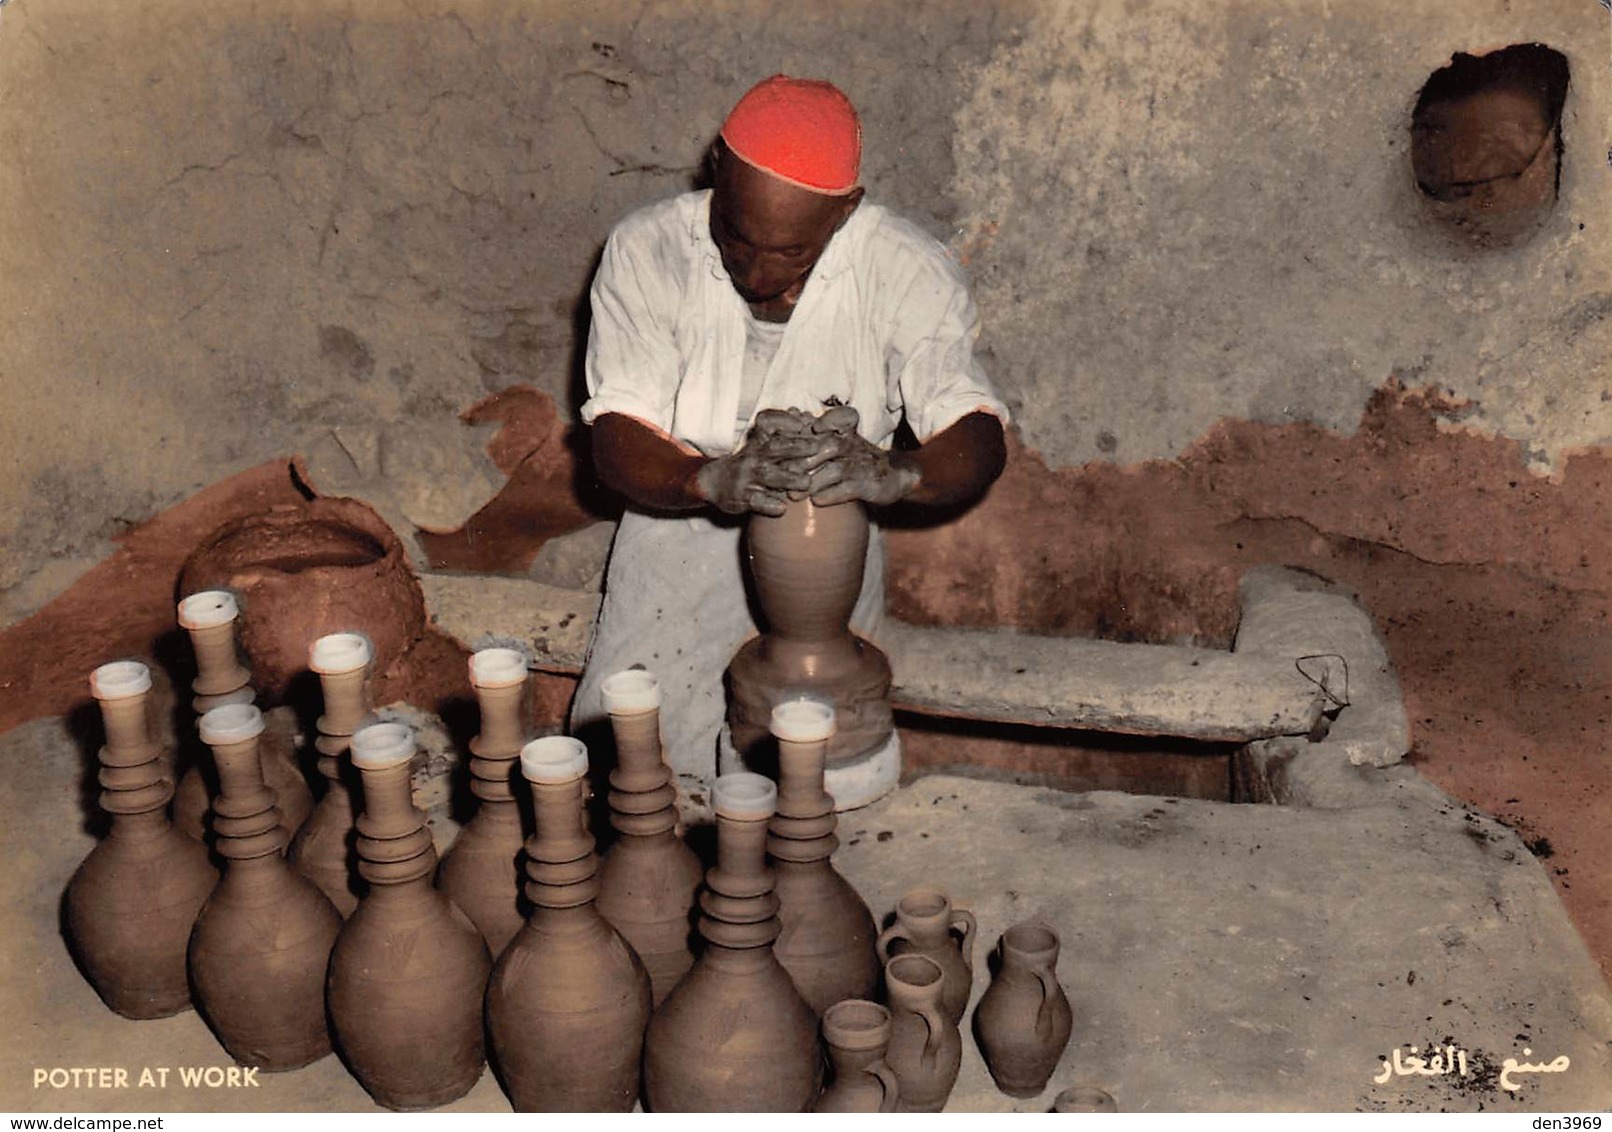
[724, 319]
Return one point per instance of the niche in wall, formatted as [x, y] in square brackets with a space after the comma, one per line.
[1486, 145]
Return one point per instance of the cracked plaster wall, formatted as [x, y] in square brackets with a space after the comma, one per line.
[236, 231]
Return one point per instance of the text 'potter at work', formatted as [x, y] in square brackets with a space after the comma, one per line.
[147, 1077]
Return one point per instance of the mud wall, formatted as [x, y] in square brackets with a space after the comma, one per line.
[235, 232]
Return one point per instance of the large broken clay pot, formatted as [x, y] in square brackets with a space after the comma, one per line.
[302, 571]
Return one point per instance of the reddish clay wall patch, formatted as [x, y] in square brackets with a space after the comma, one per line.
[1490, 585]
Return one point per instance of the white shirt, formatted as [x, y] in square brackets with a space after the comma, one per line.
[885, 324]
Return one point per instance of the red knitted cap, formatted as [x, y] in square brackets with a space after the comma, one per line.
[803, 131]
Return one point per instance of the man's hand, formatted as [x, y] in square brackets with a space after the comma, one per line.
[763, 475]
[847, 467]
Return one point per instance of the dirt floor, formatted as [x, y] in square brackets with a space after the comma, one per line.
[1481, 576]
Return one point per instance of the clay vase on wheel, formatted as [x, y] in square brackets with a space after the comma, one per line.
[928, 924]
[926, 1049]
[807, 566]
[1023, 1020]
[857, 1033]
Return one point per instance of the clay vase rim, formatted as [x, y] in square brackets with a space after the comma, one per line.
[1030, 941]
[924, 902]
[1084, 1098]
[913, 970]
[857, 1024]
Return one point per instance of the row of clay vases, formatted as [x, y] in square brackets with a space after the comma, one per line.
[261, 944]
[322, 848]
[649, 877]
[735, 1034]
[408, 970]
[569, 999]
[132, 902]
[209, 619]
[481, 872]
[827, 942]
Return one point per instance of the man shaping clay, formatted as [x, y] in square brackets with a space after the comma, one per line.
[778, 289]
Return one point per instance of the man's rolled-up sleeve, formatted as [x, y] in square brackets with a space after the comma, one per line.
[632, 362]
[931, 355]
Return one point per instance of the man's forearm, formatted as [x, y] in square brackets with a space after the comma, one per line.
[645, 466]
[958, 463]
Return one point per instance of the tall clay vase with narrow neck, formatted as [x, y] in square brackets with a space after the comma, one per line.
[857, 1034]
[807, 565]
[481, 872]
[649, 877]
[408, 970]
[827, 943]
[926, 1049]
[322, 850]
[209, 619]
[569, 999]
[928, 924]
[260, 946]
[1023, 1020]
[132, 902]
[735, 1035]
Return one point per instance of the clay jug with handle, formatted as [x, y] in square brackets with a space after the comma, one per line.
[928, 924]
[857, 1033]
[1023, 1020]
[926, 1049]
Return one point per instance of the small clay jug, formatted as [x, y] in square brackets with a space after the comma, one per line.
[827, 943]
[649, 876]
[569, 999]
[857, 1033]
[735, 1035]
[408, 970]
[1023, 1020]
[260, 946]
[481, 872]
[926, 1048]
[322, 850]
[131, 903]
[1084, 1098]
[209, 619]
[928, 924]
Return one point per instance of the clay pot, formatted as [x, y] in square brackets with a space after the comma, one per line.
[735, 1035]
[827, 942]
[807, 566]
[481, 872]
[1084, 1098]
[408, 970]
[302, 571]
[1023, 1020]
[131, 903]
[322, 848]
[649, 876]
[926, 1048]
[569, 999]
[277, 750]
[261, 943]
[857, 1033]
[927, 924]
